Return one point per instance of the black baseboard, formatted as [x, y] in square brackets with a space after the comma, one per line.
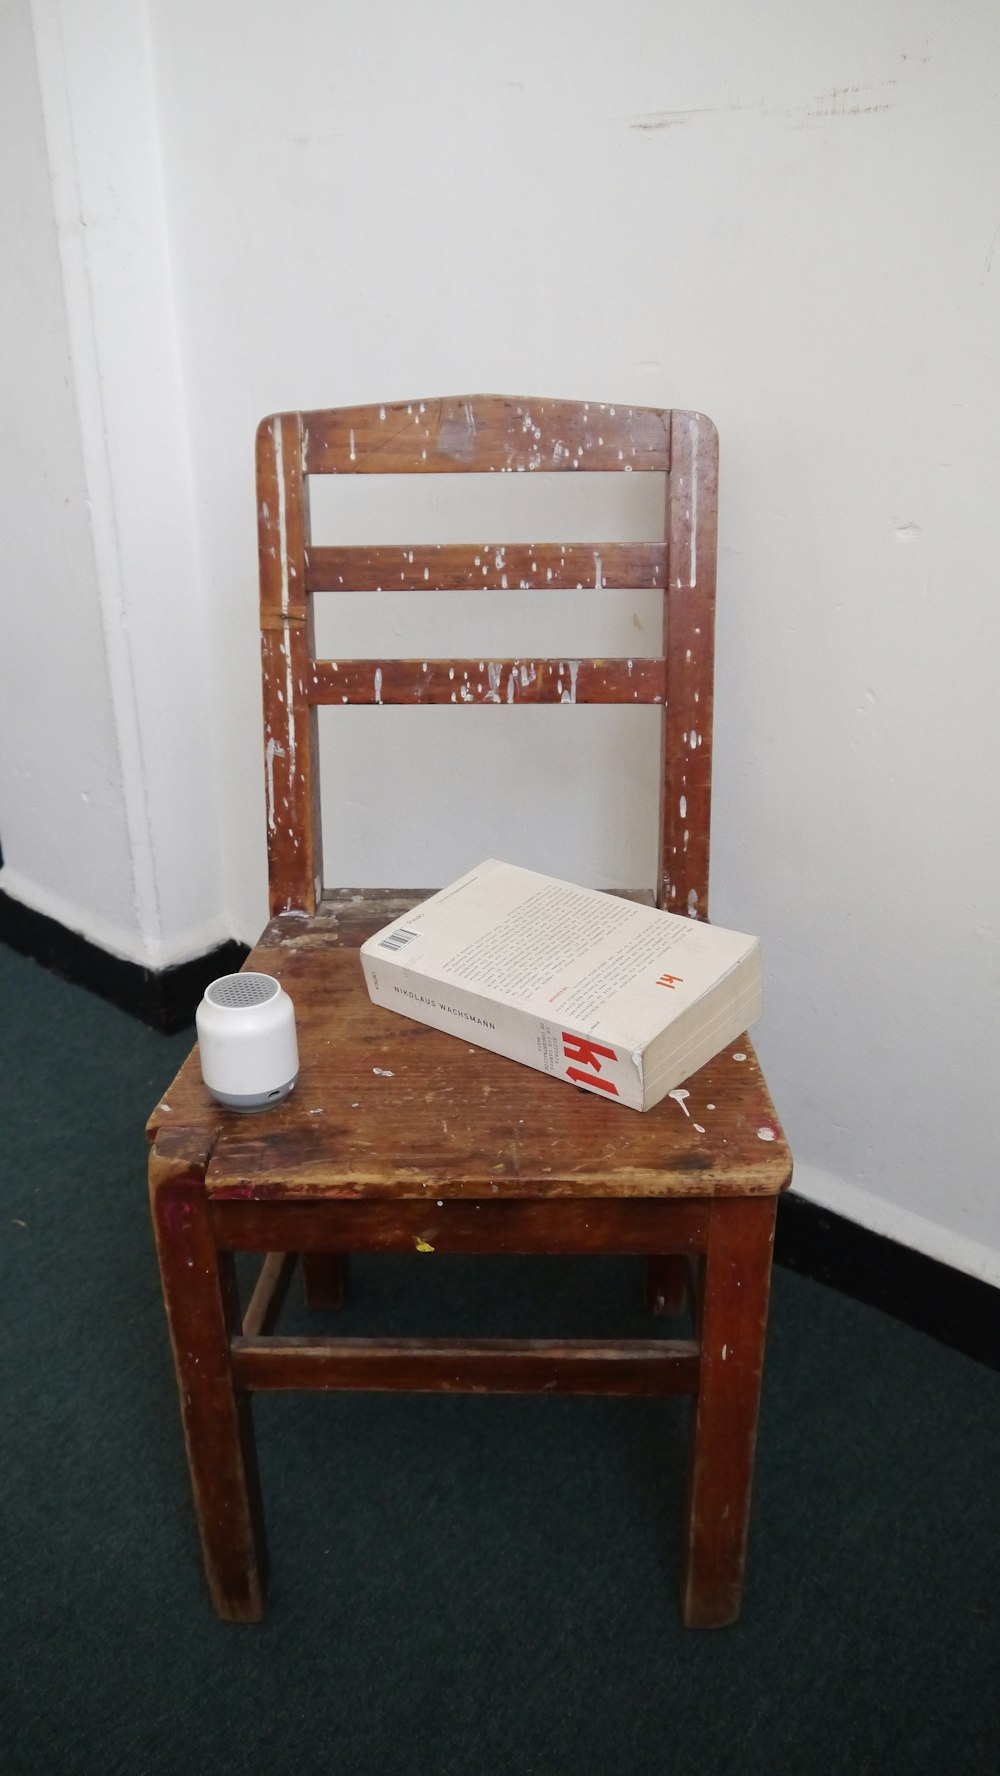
[165, 998]
[949, 1305]
[957, 1309]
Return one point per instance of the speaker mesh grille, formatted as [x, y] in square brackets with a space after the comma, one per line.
[234, 991]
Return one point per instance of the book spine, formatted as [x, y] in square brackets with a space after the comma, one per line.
[543, 1043]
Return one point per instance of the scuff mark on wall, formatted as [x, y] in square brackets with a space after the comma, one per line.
[840, 101]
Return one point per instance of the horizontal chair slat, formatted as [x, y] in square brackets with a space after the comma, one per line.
[485, 434]
[486, 681]
[488, 567]
[649, 1366]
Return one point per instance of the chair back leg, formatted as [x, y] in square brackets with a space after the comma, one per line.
[667, 1285]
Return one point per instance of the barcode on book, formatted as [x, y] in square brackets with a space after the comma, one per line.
[396, 939]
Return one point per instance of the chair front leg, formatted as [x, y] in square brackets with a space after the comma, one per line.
[201, 1301]
[736, 1284]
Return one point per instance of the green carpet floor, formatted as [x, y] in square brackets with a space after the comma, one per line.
[460, 1584]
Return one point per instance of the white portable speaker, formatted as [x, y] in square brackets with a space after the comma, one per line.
[246, 1041]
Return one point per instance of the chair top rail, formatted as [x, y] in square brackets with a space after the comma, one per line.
[485, 434]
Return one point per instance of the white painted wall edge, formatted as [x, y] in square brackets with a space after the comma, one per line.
[873, 1212]
[96, 83]
[68, 206]
[183, 946]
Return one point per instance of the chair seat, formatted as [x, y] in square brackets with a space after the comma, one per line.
[387, 1107]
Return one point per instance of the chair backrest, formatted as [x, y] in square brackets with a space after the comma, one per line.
[483, 434]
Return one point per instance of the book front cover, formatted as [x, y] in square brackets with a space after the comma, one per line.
[562, 978]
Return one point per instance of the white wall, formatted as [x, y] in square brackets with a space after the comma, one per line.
[115, 829]
[62, 813]
[785, 215]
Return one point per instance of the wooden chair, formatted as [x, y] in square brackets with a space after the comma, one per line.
[399, 1138]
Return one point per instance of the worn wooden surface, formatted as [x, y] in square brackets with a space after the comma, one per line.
[387, 1106]
[398, 1137]
[200, 1297]
[487, 567]
[287, 639]
[732, 1325]
[425, 1224]
[485, 434]
[485, 681]
[472, 1365]
[689, 628]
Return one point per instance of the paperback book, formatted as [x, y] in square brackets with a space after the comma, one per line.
[604, 993]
